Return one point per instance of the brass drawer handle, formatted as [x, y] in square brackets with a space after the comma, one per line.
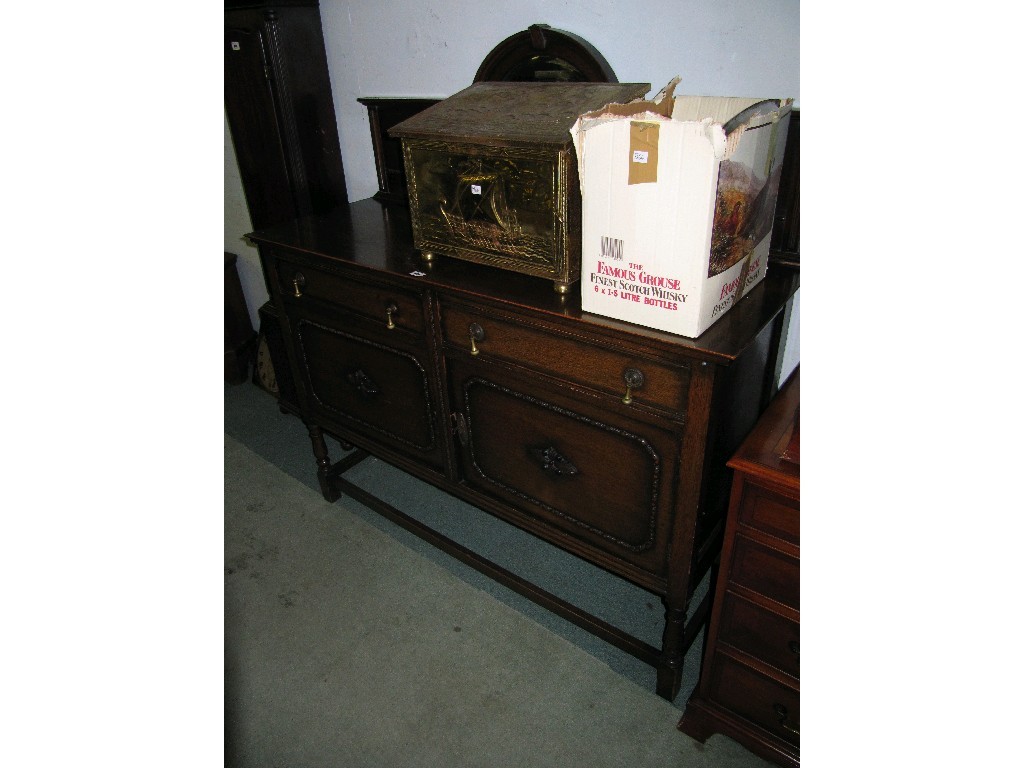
[391, 309]
[298, 283]
[476, 333]
[782, 713]
[634, 380]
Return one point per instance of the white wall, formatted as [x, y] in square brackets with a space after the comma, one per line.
[433, 48]
[236, 224]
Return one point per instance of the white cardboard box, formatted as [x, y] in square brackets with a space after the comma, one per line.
[678, 202]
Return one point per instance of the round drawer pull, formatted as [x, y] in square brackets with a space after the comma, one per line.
[476, 333]
[391, 309]
[298, 283]
[634, 379]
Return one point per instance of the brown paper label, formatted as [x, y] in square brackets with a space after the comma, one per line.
[643, 152]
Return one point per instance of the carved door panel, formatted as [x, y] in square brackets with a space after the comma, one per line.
[367, 385]
[596, 473]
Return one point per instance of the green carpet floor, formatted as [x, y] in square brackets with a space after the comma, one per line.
[350, 642]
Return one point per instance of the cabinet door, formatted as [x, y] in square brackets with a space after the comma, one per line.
[280, 108]
[592, 474]
[252, 117]
[357, 382]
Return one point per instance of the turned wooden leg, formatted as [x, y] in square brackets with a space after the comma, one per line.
[670, 668]
[323, 464]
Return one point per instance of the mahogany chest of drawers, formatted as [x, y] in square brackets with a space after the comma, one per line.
[750, 681]
[606, 439]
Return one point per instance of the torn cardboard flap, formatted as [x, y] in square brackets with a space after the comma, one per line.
[724, 118]
[649, 111]
[658, 108]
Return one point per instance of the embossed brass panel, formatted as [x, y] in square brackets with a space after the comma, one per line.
[505, 207]
[492, 174]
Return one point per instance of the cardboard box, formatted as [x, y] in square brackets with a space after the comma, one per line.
[678, 201]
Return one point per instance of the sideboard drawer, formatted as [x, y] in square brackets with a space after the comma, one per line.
[384, 306]
[765, 571]
[756, 697]
[760, 633]
[770, 512]
[567, 357]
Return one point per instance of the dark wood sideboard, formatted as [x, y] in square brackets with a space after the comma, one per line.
[604, 438]
[749, 687]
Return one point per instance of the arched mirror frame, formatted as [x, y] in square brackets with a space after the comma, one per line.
[544, 54]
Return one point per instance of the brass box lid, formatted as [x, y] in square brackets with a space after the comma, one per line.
[511, 114]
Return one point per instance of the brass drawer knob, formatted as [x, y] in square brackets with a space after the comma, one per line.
[476, 333]
[634, 379]
[391, 309]
[298, 283]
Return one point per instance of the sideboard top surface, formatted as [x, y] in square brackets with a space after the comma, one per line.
[374, 236]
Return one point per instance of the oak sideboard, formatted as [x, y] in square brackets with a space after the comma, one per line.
[604, 438]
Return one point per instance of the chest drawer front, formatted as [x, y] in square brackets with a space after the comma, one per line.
[770, 512]
[566, 357]
[756, 697]
[765, 571]
[381, 306]
[757, 631]
[368, 386]
[599, 477]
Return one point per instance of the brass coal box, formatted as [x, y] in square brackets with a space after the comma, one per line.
[492, 174]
